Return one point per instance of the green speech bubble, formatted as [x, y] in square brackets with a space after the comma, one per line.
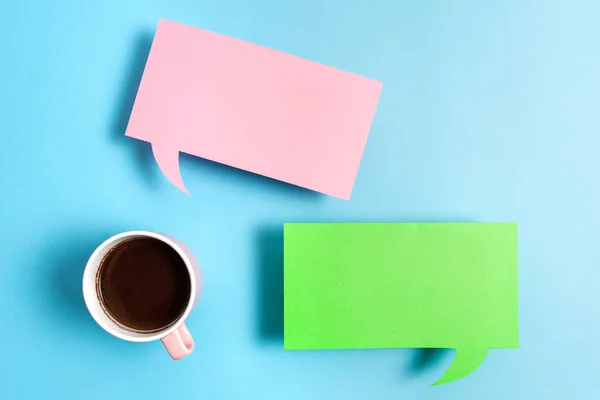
[415, 285]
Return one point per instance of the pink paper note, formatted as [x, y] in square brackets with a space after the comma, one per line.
[253, 108]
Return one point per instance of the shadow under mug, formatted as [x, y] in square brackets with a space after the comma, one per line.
[176, 337]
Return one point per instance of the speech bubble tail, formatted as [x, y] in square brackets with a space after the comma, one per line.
[168, 161]
[466, 361]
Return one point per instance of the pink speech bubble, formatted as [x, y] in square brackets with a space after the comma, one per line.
[252, 108]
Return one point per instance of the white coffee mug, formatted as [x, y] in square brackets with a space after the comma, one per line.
[177, 339]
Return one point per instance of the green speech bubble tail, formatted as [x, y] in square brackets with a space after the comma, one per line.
[466, 361]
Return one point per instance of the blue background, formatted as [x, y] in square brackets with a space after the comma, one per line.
[489, 112]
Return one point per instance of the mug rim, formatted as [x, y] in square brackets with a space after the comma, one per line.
[92, 298]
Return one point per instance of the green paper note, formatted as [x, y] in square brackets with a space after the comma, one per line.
[417, 285]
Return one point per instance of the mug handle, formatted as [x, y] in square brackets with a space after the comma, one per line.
[180, 343]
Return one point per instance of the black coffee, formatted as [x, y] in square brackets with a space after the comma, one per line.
[143, 284]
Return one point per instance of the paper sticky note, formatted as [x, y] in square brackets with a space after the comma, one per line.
[416, 285]
[252, 108]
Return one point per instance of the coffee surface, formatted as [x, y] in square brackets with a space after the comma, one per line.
[144, 284]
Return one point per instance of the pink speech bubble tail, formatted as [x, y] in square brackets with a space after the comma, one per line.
[167, 159]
